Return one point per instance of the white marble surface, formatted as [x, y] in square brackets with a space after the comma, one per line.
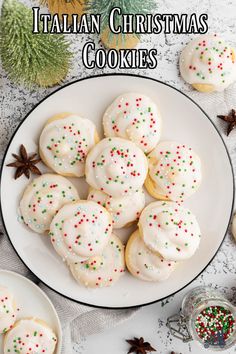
[16, 101]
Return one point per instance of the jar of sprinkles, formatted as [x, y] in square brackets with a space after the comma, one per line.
[207, 317]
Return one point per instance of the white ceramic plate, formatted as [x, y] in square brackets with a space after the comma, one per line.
[183, 121]
[32, 302]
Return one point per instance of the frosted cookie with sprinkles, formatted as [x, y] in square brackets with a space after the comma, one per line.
[30, 336]
[7, 310]
[135, 117]
[103, 270]
[170, 230]
[116, 166]
[124, 210]
[174, 171]
[43, 198]
[208, 63]
[80, 230]
[145, 264]
[65, 142]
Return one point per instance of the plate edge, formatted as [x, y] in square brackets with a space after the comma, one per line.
[127, 75]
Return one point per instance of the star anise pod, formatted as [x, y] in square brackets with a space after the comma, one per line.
[138, 346]
[25, 163]
[230, 119]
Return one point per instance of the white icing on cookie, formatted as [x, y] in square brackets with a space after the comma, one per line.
[30, 336]
[80, 230]
[145, 264]
[135, 117]
[170, 229]
[64, 144]
[124, 210]
[43, 198]
[7, 310]
[116, 166]
[103, 270]
[175, 170]
[208, 59]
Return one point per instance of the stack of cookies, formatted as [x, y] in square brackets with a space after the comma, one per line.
[116, 169]
[167, 232]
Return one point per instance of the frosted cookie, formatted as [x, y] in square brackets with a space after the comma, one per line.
[124, 210]
[80, 230]
[145, 264]
[170, 230]
[135, 117]
[30, 336]
[65, 142]
[7, 310]
[116, 166]
[43, 198]
[208, 63]
[174, 171]
[104, 269]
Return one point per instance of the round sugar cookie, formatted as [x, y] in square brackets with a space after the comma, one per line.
[103, 270]
[80, 230]
[145, 264]
[7, 310]
[134, 116]
[170, 230]
[208, 63]
[124, 210]
[65, 142]
[30, 336]
[174, 171]
[43, 198]
[116, 166]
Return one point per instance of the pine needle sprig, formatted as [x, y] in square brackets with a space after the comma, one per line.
[42, 59]
[104, 7]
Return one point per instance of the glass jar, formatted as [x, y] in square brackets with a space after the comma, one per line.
[207, 317]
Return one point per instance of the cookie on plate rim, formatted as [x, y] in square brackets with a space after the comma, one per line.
[30, 335]
[170, 230]
[42, 199]
[175, 171]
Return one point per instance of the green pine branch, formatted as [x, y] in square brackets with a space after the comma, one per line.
[104, 7]
[42, 59]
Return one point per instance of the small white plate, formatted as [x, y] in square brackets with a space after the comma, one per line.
[183, 121]
[32, 302]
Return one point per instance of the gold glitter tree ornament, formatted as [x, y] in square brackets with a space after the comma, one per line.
[68, 7]
[131, 7]
[41, 59]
